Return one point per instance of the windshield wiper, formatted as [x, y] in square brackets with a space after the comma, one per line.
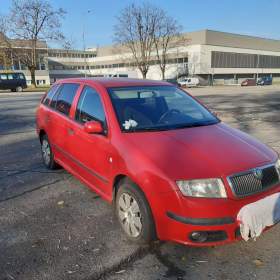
[170, 127]
[197, 124]
[161, 128]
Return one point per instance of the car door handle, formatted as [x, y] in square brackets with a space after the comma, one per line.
[70, 131]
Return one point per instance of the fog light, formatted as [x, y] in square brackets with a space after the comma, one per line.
[199, 236]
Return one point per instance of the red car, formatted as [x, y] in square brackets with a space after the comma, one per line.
[249, 82]
[171, 168]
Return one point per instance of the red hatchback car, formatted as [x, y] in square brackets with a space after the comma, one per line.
[170, 167]
[249, 82]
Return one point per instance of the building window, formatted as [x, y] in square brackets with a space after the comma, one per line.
[243, 60]
[40, 82]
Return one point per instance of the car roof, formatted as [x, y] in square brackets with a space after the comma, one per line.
[116, 82]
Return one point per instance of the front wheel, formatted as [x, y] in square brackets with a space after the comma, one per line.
[47, 154]
[134, 213]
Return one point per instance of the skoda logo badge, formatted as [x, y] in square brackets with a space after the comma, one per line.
[258, 173]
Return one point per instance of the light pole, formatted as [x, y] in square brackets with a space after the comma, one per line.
[84, 42]
[258, 62]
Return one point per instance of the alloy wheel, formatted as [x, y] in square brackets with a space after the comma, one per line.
[46, 152]
[129, 215]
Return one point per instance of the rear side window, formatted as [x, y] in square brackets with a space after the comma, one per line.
[50, 95]
[3, 77]
[89, 106]
[65, 98]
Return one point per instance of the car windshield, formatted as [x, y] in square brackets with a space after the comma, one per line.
[154, 108]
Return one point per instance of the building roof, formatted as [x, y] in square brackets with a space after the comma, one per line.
[87, 51]
[225, 39]
[210, 37]
[19, 43]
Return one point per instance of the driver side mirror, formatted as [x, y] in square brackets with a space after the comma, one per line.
[93, 127]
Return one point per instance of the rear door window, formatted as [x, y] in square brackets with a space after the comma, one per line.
[50, 95]
[10, 77]
[65, 98]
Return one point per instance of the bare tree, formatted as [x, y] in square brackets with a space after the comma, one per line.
[135, 30]
[68, 43]
[5, 46]
[167, 36]
[34, 21]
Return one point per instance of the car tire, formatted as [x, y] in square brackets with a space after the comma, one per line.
[19, 89]
[47, 154]
[134, 213]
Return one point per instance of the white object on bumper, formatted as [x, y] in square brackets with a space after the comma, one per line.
[255, 217]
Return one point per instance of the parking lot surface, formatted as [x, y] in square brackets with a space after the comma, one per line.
[54, 227]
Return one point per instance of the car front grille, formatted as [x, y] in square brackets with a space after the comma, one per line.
[254, 181]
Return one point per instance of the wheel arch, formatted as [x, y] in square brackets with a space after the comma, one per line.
[116, 183]
[119, 178]
[42, 132]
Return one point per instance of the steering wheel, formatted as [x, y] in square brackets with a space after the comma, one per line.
[167, 113]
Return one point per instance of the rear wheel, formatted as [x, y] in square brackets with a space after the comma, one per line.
[47, 154]
[19, 89]
[134, 213]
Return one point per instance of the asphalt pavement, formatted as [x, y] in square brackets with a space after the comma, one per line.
[54, 227]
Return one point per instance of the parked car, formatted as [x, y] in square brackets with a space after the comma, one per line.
[14, 81]
[189, 82]
[264, 81]
[170, 167]
[172, 81]
[249, 82]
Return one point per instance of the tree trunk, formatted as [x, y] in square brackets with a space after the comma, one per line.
[34, 62]
[144, 73]
[162, 72]
[32, 72]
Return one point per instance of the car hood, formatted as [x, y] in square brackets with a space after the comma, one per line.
[201, 152]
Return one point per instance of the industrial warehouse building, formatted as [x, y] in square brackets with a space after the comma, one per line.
[213, 56]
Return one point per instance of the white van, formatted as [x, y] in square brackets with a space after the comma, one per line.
[189, 82]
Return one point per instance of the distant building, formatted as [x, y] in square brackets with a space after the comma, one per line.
[11, 50]
[213, 56]
[70, 63]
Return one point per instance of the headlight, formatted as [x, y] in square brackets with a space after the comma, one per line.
[202, 188]
[278, 166]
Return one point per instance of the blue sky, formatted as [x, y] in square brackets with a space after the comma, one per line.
[251, 17]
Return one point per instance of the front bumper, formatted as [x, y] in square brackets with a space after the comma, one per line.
[211, 234]
[215, 217]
